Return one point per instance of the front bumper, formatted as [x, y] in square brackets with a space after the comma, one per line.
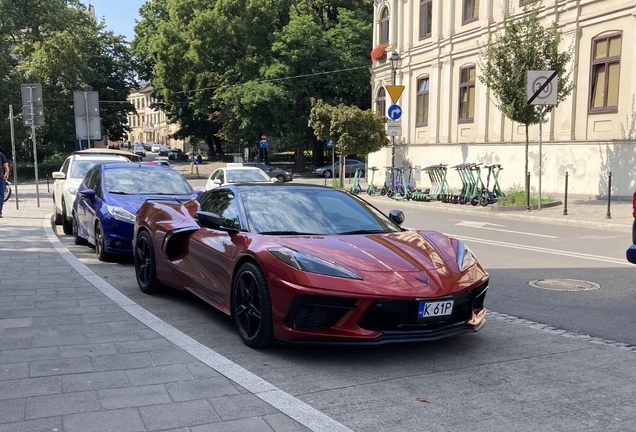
[631, 252]
[118, 235]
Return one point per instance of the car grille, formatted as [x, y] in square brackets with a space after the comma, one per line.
[401, 315]
[317, 312]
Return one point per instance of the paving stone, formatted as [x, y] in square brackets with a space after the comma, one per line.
[248, 424]
[17, 305]
[131, 397]
[87, 350]
[56, 304]
[94, 381]
[282, 423]
[12, 410]
[148, 334]
[30, 332]
[158, 375]
[61, 404]
[174, 356]
[12, 371]
[59, 340]
[121, 361]
[205, 388]
[109, 308]
[120, 420]
[112, 337]
[27, 387]
[106, 317]
[39, 425]
[32, 354]
[241, 406]
[60, 366]
[97, 301]
[17, 343]
[143, 345]
[56, 320]
[200, 370]
[178, 415]
[125, 326]
[16, 322]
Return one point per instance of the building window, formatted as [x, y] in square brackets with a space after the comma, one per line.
[467, 94]
[525, 2]
[426, 18]
[421, 114]
[471, 11]
[380, 102]
[384, 26]
[606, 61]
[143, 102]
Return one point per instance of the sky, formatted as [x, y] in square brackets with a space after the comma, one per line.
[119, 15]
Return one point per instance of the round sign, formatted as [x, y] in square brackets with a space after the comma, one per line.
[547, 91]
[263, 137]
[394, 112]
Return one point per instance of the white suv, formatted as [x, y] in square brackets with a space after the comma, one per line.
[68, 179]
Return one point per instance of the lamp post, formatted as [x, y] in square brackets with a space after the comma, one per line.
[394, 58]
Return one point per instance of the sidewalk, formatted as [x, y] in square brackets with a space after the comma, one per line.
[78, 356]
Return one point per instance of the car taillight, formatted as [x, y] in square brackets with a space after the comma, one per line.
[634, 205]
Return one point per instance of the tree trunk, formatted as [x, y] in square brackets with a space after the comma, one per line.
[318, 158]
[219, 148]
[525, 173]
[209, 139]
[299, 160]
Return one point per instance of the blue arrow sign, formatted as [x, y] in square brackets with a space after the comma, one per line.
[394, 112]
[329, 143]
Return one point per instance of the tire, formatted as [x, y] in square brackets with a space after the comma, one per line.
[7, 192]
[327, 174]
[81, 241]
[281, 178]
[57, 217]
[251, 306]
[145, 264]
[383, 191]
[66, 224]
[483, 201]
[100, 247]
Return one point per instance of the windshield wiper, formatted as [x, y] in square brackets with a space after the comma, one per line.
[363, 232]
[284, 233]
[118, 192]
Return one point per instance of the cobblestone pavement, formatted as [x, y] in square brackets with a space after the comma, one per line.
[76, 355]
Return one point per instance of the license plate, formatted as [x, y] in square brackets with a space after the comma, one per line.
[435, 308]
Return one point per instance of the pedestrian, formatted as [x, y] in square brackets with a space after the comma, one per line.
[4, 176]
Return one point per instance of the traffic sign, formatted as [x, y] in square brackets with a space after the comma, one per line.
[542, 88]
[32, 108]
[263, 144]
[394, 131]
[87, 121]
[263, 137]
[395, 91]
[329, 143]
[394, 112]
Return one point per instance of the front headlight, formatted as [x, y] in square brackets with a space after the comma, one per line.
[72, 191]
[120, 213]
[465, 257]
[308, 263]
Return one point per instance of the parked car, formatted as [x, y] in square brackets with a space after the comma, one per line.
[178, 155]
[350, 167]
[161, 162]
[304, 263]
[155, 148]
[139, 150]
[164, 150]
[236, 174]
[109, 198]
[631, 252]
[281, 175]
[68, 179]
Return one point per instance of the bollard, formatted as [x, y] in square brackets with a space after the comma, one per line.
[609, 196]
[565, 206]
[528, 192]
[48, 189]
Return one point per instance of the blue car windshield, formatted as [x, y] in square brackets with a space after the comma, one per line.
[145, 181]
[81, 167]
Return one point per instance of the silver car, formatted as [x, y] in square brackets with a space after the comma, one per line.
[350, 167]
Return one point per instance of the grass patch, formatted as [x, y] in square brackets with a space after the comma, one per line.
[516, 196]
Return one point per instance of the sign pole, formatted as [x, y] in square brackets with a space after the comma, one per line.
[35, 149]
[15, 165]
[540, 148]
[88, 124]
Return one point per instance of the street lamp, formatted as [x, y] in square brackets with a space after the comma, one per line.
[394, 58]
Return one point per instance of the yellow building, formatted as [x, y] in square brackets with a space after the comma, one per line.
[448, 116]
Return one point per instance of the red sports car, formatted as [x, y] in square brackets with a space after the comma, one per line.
[310, 264]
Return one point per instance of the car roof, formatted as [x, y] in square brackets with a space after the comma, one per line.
[98, 157]
[256, 185]
[103, 151]
[141, 165]
[242, 168]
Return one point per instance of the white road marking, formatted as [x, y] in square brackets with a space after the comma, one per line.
[304, 414]
[543, 250]
[482, 225]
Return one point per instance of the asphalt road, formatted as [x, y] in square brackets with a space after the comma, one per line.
[510, 376]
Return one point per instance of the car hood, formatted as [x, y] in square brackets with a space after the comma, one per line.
[407, 251]
[132, 203]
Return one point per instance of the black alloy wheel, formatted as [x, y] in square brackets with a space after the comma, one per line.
[77, 239]
[145, 264]
[327, 174]
[66, 224]
[100, 247]
[251, 307]
[281, 178]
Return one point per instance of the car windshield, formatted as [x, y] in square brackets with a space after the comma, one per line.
[145, 181]
[311, 211]
[246, 176]
[81, 167]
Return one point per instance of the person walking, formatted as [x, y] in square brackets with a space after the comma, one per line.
[4, 176]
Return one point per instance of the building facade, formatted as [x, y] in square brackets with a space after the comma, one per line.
[150, 125]
[448, 116]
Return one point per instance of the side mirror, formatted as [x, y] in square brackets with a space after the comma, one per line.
[212, 221]
[396, 216]
[89, 194]
[217, 182]
[198, 192]
[270, 169]
[59, 175]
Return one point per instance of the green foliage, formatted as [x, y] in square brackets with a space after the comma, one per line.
[352, 130]
[516, 196]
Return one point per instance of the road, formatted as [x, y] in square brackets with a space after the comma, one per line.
[513, 375]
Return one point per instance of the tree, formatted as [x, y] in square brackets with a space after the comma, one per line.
[353, 131]
[522, 45]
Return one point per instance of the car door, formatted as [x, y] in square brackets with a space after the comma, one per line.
[213, 251]
[209, 184]
[350, 166]
[59, 184]
[86, 206]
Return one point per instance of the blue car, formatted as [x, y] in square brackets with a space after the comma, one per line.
[110, 196]
[631, 252]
